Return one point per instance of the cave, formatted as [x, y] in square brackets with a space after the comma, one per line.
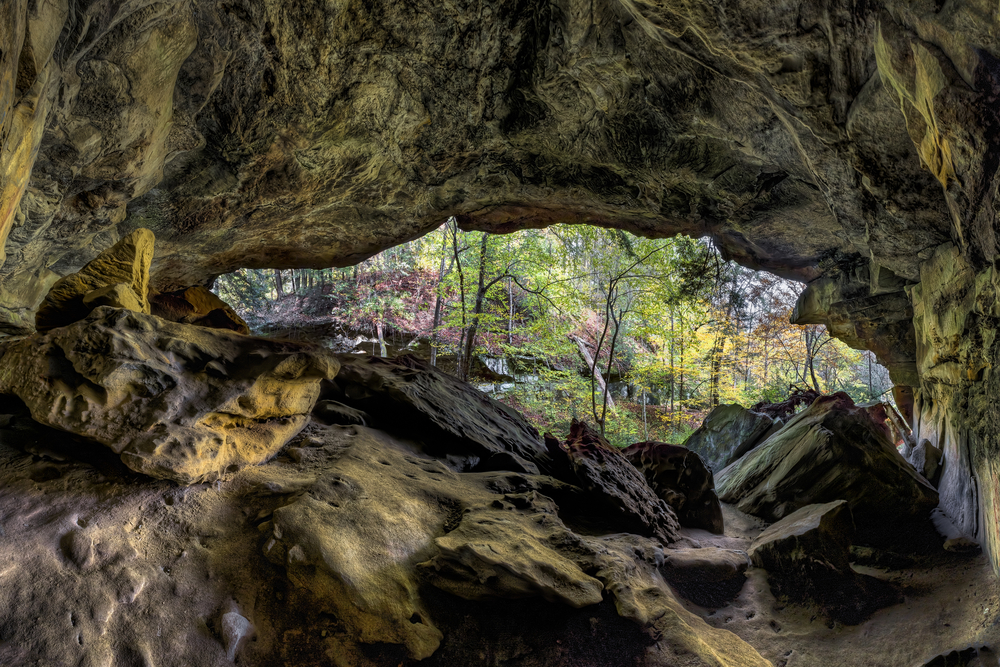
[169, 495]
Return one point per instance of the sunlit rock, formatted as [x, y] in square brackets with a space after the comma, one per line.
[729, 432]
[175, 401]
[197, 305]
[117, 277]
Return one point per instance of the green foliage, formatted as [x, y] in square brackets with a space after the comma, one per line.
[668, 318]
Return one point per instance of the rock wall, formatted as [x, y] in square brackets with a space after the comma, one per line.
[956, 317]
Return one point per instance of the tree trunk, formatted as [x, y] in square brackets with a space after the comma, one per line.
[673, 371]
[611, 360]
[381, 340]
[589, 360]
[461, 296]
[277, 284]
[439, 299]
[470, 336]
[718, 347]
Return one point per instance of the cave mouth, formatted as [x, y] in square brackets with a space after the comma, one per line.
[571, 424]
[690, 330]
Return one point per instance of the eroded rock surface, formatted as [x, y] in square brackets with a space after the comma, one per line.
[833, 450]
[356, 547]
[197, 305]
[807, 557]
[118, 277]
[175, 401]
[680, 478]
[615, 488]
[366, 522]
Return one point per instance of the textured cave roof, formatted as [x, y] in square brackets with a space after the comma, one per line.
[807, 137]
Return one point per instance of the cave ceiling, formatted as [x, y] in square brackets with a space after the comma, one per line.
[807, 137]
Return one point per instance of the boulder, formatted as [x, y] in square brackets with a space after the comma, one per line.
[709, 576]
[411, 559]
[197, 305]
[508, 548]
[834, 450]
[408, 397]
[679, 477]
[729, 432]
[807, 558]
[117, 277]
[174, 401]
[973, 656]
[615, 490]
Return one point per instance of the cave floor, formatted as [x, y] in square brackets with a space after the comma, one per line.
[950, 603]
[100, 566]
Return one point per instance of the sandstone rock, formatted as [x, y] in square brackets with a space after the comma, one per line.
[197, 305]
[364, 521]
[116, 296]
[494, 553]
[708, 576]
[175, 401]
[833, 450]
[678, 476]
[409, 397]
[119, 277]
[807, 557]
[926, 458]
[729, 432]
[614, 486]
[973, 656]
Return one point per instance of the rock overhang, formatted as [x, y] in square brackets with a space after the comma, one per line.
[789, 150]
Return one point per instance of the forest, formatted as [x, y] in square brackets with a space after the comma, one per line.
[639, 336]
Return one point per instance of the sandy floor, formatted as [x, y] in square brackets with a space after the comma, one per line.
[952, 604]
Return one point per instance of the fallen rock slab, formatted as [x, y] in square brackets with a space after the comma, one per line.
[681, 479]
[199, 306]
[174, 401]
[833, 450]
[807, 558]
[729, 432]
[409, 397]
[709, 576]
[118, 277]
